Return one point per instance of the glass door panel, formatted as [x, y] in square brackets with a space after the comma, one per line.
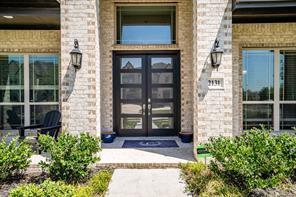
[162, 108]
[146, 95]
[163, 94]
[130, 91]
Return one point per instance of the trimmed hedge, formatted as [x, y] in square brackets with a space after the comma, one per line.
[254, 160]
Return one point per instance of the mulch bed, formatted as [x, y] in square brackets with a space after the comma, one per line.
[270, 192]
[32, 175]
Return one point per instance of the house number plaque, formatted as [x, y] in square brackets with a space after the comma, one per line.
[215, 83]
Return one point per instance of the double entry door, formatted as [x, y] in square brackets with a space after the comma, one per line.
[146, 94]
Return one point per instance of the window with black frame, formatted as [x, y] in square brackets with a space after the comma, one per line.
[146, 24]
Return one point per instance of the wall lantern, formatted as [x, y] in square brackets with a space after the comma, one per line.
[76, 55]
[216, 55]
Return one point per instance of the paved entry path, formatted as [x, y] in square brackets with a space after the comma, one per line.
[146, 183]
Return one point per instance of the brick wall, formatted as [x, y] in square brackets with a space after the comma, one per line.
[213, 112]
[184, 44]
[81, 88]
[30, 41]
[274, 35]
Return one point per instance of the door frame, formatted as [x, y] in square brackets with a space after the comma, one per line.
[177, 88]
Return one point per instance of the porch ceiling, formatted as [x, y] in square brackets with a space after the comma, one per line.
[29, 14]
[264, 11]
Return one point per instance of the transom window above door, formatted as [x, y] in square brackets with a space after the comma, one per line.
[29, 88]
[269, 93]
[146, 24]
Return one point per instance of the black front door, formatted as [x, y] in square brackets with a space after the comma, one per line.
[146, 94]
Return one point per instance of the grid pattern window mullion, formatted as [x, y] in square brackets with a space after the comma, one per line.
[27, 89]
[276, 106]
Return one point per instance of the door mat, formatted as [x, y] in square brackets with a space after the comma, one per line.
[150, 144]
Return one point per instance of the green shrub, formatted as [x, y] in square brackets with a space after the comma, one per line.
[57, 189]
[96, 186]
[84, 191]
[196, 176]
[100, 181]
[26, 190]
[46, 189]
[200, 181]
[70, 156]
[255, 159]
[14, 157]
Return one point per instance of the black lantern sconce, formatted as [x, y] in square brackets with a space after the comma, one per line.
[216, 55]
[76, 55]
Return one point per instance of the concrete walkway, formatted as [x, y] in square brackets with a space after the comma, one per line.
[146, 183]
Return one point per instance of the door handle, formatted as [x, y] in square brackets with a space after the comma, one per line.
[149, 109]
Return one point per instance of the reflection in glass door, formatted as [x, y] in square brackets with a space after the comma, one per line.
[131, 94]
[162, 95]
[146, 94]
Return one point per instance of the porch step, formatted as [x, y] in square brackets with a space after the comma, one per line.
[137, 165]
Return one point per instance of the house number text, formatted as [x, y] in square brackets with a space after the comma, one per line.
[215, 83]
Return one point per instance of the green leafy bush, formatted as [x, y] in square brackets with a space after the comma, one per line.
[254, 160]
[14, 157]
[196, 176]
[84, 191]
[57, 189]
[100, 181]
[70, 156]
[46, 189]
[200, 181]
[96, 186]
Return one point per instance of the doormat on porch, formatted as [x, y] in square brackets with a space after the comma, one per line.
[149, 144]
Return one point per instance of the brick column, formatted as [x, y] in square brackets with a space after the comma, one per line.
[81, 89]
[213, 109]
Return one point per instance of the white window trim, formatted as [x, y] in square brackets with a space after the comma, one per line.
[276, 100]
[27, 104]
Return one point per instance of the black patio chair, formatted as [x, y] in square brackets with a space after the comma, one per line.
[13, 119]
[51, 125]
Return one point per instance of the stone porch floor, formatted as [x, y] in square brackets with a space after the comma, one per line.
[112, 155]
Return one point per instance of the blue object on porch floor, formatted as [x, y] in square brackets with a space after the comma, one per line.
[108, 138]
[149, 144]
